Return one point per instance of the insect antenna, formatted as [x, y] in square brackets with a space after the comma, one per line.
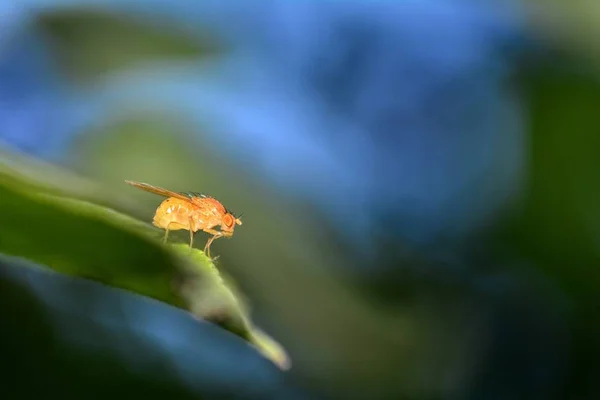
[232, 213]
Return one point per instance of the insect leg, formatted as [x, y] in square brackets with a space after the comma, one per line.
[166, 233]
[207, 246]
[216, 235]
[191, 233]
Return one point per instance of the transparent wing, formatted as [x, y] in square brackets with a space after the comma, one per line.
[157, 190]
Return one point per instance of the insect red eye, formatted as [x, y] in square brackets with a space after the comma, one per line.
[228, 220]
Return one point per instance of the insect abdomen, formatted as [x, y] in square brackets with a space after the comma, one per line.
[175, 214]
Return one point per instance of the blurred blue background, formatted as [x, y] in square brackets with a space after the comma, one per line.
[419, 179]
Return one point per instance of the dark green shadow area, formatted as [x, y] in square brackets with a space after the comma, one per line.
[72, 338]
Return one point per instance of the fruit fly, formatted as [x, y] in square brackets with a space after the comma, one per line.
[191, 211]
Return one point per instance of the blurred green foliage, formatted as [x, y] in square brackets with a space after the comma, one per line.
[90, 44]
[556, 226]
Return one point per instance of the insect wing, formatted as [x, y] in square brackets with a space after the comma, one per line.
[157, 190]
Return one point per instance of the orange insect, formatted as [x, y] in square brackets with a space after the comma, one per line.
[191, 211]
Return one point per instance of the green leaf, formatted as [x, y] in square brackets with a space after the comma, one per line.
[82, 239]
